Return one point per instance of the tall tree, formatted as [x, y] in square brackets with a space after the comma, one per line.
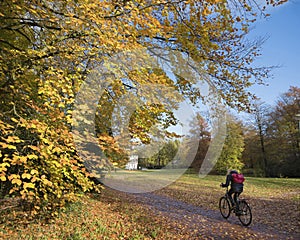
[233, 148]
[272, 138]
[201, 132]
[283, 134]
[260, 116]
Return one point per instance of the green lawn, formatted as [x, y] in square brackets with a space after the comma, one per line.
[253, 186]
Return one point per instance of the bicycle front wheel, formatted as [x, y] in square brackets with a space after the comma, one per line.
[245, 215]
[224, 207]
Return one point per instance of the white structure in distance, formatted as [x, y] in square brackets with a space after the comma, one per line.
[132, 163]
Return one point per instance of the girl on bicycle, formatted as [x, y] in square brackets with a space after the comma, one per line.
[236, 187]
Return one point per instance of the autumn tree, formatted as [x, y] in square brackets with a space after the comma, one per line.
[200, 130]
[283, 135]
[252, 154]
[261, 124]
[233, 148]
[48, 48]
[163, 157]
[271, 140]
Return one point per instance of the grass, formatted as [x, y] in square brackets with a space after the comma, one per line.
[253, 186]
[109, 216]
[204, 192]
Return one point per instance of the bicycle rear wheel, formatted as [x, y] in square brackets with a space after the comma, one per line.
[224, 207]
[245, 216]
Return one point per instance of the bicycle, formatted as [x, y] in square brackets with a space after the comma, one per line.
[244, 214]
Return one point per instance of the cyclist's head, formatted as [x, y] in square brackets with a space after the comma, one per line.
[231, 171]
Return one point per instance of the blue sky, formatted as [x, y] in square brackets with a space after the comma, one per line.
[282, 48]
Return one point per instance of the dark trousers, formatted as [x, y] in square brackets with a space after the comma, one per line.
[235, 196]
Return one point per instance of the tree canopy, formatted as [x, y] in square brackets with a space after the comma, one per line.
[278, 155]
[233, 148]
[48, 48]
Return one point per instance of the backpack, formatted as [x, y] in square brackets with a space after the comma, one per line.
[238, 178]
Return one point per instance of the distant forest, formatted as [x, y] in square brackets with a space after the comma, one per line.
[267, 144]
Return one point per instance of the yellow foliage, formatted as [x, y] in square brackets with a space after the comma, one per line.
[33, 179]
[47, 58]
[10, 146]
[26, 175]
[16, 181]
[2, 178]
[33, 172]
[46, 181]
[28, 185]
[13, 176]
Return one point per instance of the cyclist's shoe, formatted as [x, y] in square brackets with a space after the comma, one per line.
[238, 212]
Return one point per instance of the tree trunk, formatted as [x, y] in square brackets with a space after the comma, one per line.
[262, 144]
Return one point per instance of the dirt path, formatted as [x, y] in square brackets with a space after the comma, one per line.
[197, 223]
